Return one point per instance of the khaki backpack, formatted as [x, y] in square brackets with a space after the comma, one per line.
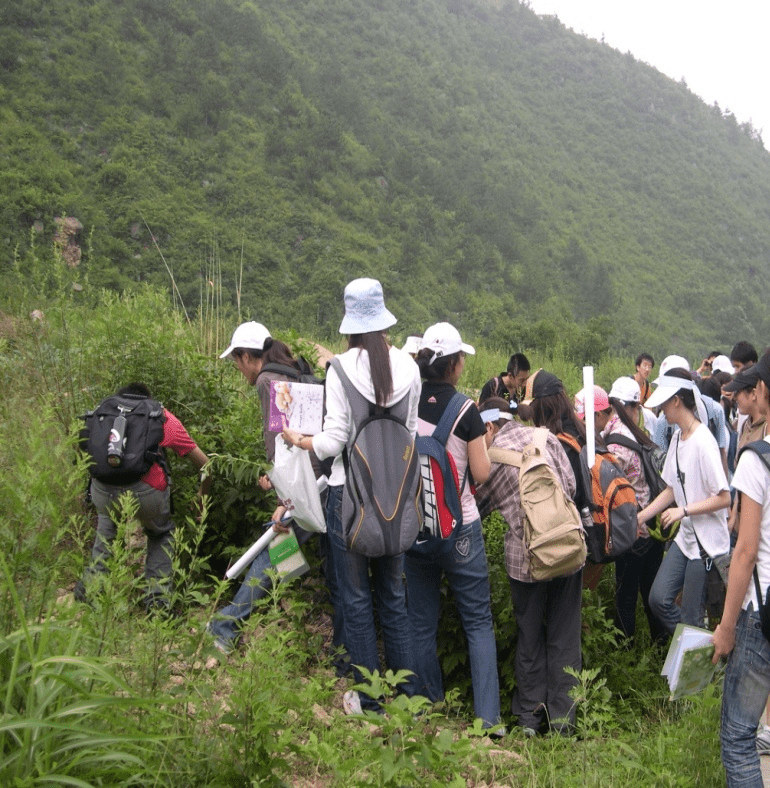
[553, 532]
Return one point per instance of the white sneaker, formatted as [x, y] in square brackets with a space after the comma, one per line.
[220, 644]
[351, 703]
[763, 740]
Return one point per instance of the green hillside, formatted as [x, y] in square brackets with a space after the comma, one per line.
[489, 166]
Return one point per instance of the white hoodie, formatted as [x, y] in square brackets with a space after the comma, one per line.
[338, 423]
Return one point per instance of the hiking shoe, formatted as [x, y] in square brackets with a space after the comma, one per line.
[157, 605]
[351, 703]
[763, 740]
[342, 666]
[79, 592]
[529, 733]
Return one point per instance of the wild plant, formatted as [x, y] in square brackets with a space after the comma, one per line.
[67, 719]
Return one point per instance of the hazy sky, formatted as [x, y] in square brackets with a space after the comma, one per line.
[722, 49]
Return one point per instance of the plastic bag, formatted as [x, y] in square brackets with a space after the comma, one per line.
[294, 481]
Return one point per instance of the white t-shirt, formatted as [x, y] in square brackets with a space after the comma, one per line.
[338, 422]
[704, 476]
[753, 478]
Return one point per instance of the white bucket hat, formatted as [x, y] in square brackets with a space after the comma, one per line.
[443, 339]
[626, 389]
[248, 335]
[365, 308]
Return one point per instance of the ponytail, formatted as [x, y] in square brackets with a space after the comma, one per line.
[376, 346]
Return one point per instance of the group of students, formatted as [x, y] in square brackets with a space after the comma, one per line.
[405, 589]
[712, 429]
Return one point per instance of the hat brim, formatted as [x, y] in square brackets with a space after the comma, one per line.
[227, 352]
[659, 396]
[739, 385]
[468, 349]
[356, 325]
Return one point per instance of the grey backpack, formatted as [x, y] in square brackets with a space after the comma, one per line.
[381, 512]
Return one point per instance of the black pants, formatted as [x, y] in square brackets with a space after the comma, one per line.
[634, 574]
[548, 640]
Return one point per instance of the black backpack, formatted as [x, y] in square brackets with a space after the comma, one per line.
[142, 435]
[650, 461]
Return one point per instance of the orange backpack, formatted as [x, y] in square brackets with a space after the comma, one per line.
[612, 503]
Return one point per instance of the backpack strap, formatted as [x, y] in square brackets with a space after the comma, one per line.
[570, 440]
[540, 440]
[457, 406]
[761, 448]
[758, 589]
[623, 440]
[513, 457]
[282, 369]
[505, 456]
[360, 406]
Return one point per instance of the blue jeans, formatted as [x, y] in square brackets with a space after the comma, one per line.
[679, 573]
[747, 683]
[228, 621]
[358, 606]
[464, 563]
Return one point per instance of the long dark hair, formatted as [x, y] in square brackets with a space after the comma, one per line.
[440, 369]
[375, 344]
[273, 352]
[556, 413]
[712, 387]
[640, 436]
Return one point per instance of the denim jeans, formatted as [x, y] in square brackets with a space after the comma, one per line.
[747, 683]
[154, 515]
[679, 573]
[228, 621]
[464, 562]
[358, 605]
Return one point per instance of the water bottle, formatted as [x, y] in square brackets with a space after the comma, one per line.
[115, 445]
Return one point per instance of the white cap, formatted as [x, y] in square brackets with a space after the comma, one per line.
[625, 389]
[248, 335]
[722, 364]
[444, 340]
[673, 362]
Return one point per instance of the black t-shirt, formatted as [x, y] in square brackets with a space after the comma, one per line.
[434, 399]
[495, 388]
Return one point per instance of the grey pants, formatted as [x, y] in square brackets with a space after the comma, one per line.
[155, 517]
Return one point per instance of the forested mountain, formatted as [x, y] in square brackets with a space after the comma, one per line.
[488, 165]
